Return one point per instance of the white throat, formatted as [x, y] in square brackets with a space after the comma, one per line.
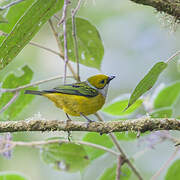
[102, 91]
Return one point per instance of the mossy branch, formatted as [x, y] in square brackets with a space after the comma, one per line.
[171, 7]
[139, 125]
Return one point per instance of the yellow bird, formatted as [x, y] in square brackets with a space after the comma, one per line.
[79, 99]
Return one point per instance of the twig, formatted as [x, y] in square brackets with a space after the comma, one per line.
[45, 48]
[125, 159]
[10, 4]
[32, 84]
[73, 12]
[155, 176]
[66, 60]
[171, 57]
[41, 143]
[118, 169]
[56, 17]
[57, 39]
[63, 18]
[10, 102]
[60, 48]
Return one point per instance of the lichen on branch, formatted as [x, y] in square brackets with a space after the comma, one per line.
[138, 125]
[171, 7]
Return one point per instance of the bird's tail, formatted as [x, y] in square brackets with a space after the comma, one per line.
[33, 92]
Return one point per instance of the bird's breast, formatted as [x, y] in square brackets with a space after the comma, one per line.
[74, 104]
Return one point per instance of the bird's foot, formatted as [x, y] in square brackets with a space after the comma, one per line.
[88, 120]
[69, 136]
[68, 119]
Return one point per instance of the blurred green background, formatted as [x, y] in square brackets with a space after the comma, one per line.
[135, 37]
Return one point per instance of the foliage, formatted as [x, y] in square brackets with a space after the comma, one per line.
[22, 22]
[95, 138]
[118, 107]
[110, 173]
[13, 81]
[173, 171]
[11, 176]
[90, 47]
[24, 30]
[147, 82]
[62, 156]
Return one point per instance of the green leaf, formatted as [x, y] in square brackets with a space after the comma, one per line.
[12, 15]
[90, 47]
[26, 27]
[162, 113]
[126, 136]
[110, 173]
[21, 102]
[167, 96]
[118, 107]
[13, 81]
[65, 157]
[2, 19]
[147, 82]
[173, 171]
[11, 176]
[96, 138]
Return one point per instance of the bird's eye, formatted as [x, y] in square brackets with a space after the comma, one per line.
[102, 82]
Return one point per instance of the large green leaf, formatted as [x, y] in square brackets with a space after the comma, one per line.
[13, 81]
[11, 176]
[167, 96]
[65, 157]
[110, 173]
[147, 82]
[173, 172]
[2, 19]
[12, 15]
[96, 138]
[126, 136]
[26, 27]
[118, 107]
[162, 113]
[90, 47]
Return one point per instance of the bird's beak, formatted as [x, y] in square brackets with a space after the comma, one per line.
[111, 78]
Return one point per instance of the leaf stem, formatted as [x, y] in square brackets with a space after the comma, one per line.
[61, 49]
[33, 84]
[73, 13]
[166, 164]
[118, 169]
[10, 4]
[171, 57]
[10, 102]
[45, 48]
[66, 60]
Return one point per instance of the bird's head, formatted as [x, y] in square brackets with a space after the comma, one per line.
[100, 82]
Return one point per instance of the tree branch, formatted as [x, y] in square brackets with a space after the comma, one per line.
[171, 7]
[142, 125]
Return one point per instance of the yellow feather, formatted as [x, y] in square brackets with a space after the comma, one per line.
[74, 105]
